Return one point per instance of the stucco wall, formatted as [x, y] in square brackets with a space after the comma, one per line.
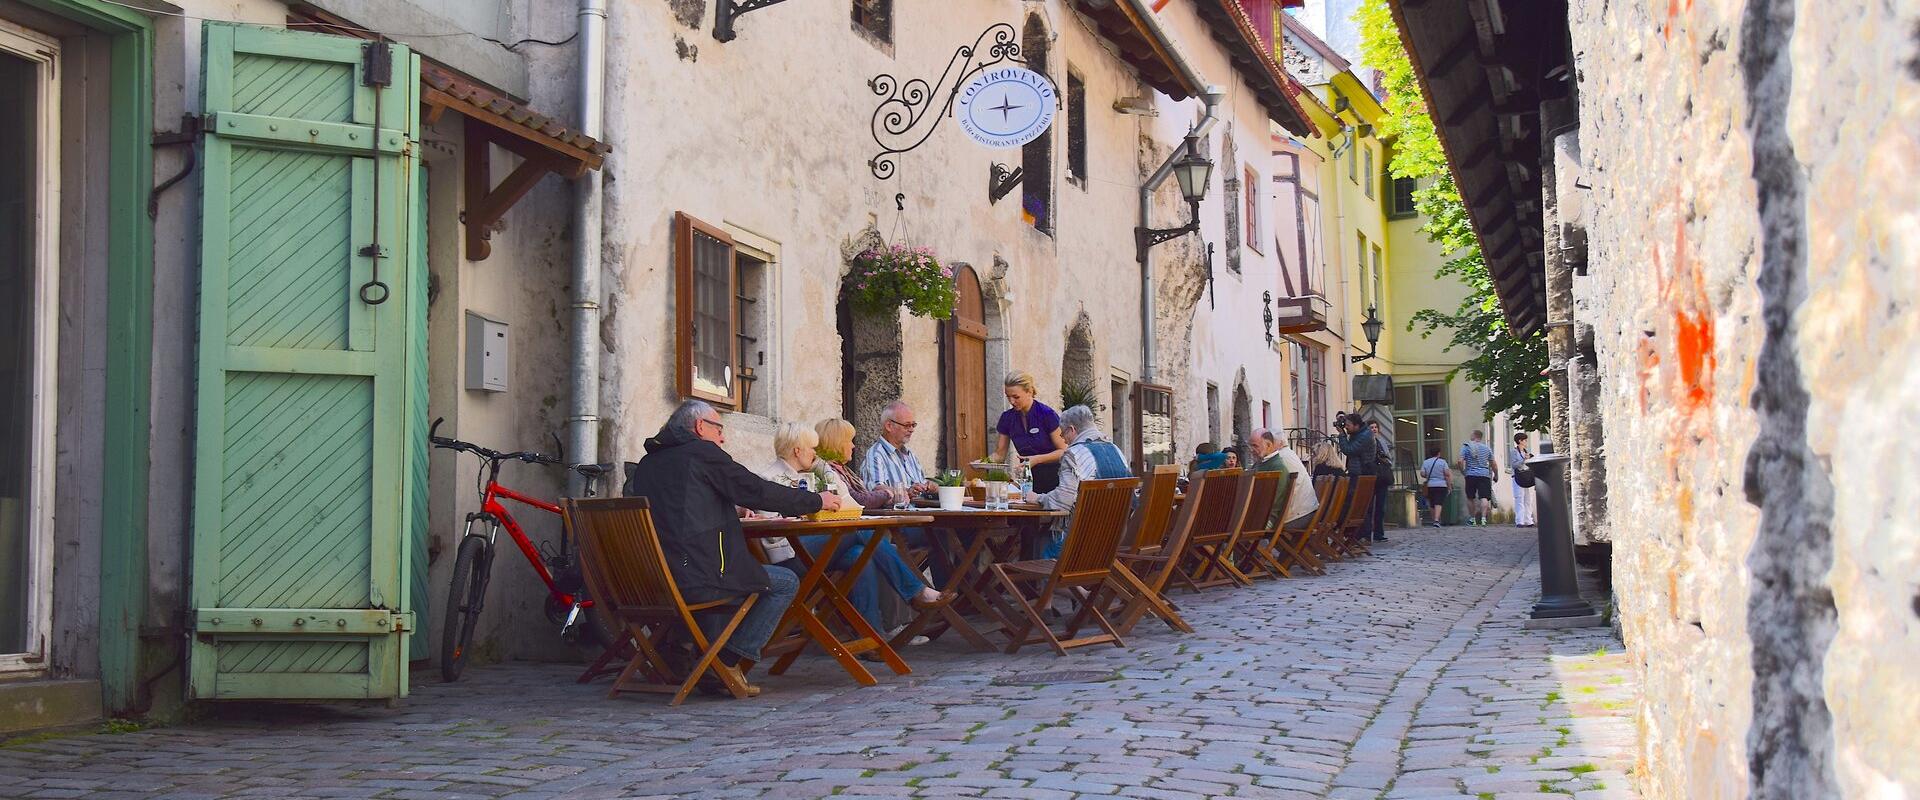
[1752, 276]
[774, 138]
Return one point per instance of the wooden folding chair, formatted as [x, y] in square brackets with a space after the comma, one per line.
[1333, 516]
[1153, 514]
[1147, 534]
[1264, 529]
[1213, 533]
[1217, 554]
[1290, 549]
[1210, 498]
[1353, 535]
[1084, 569]
[626, 573]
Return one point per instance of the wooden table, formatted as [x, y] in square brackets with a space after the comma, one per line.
[958, 539]
[817, 594]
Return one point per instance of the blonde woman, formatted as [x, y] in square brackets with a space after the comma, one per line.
[1328, 460]
[1034, 431]
[832, 441]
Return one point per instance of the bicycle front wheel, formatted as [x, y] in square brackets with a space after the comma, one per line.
[464, 600]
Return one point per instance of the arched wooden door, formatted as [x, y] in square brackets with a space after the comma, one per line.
[964, 349]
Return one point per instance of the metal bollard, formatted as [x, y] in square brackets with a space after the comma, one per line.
[1559, 589]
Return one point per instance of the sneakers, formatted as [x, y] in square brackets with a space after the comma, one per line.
[916, 641]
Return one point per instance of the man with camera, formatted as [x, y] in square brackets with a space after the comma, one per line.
[1363, 454]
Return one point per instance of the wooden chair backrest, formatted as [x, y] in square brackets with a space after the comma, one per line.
[1153, 516]
[1327, 490]
[1265, 485]
[1099, 520]
[620, 551]
[1207, 488]
[1360, 499]
[1215, 495]
[1283, 502]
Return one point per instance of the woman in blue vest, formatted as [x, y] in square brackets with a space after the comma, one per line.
[1034, 431]
[1091, 456]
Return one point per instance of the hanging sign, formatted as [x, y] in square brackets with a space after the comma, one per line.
[1005, 107]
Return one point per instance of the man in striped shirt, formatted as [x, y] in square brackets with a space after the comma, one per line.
[888, 461]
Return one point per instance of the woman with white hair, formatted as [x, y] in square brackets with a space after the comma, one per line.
[796, 460]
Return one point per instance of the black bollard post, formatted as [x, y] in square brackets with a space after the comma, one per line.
[1559, 589]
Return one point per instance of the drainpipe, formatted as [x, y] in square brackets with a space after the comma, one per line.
[1211, 95]
[583, 353]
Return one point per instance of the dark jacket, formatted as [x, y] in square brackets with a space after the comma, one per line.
[693, 487]
[1363, 453]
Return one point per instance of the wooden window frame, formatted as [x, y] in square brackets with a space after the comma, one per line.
[1251, 189]
[1369, 173]
[684, 228]
[1394, 209]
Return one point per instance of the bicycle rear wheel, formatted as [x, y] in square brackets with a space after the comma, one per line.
[464, 599]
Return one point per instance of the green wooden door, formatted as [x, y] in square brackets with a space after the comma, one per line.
[304, 458]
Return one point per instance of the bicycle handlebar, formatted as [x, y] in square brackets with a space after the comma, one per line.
[488, 453]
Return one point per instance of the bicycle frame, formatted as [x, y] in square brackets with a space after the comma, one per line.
[492, 509]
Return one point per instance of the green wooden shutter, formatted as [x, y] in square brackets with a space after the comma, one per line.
[303, 458]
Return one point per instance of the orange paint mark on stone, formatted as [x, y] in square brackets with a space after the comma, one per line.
[1694, 341]
[1685, 295]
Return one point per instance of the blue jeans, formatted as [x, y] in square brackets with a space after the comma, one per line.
[757, 627]
[886, 564]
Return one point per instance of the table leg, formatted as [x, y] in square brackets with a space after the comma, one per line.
[960, 578]
[864, 636]
[800, 613]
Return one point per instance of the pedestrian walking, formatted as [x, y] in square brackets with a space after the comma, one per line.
[1476, 463]
[1437, 479]
[1517, 455]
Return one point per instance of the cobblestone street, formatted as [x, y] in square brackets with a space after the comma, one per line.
[1404, 675]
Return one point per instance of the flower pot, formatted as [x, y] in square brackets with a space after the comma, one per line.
[953, 498]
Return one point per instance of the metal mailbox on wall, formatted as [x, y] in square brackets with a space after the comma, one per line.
[487, 343]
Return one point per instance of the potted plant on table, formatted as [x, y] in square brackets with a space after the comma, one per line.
[953, 490]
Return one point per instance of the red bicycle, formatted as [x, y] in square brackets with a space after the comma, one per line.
[567, 603]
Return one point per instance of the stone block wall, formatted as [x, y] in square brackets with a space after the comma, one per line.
[1754, 244]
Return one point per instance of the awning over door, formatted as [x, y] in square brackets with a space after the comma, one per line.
[492, 117]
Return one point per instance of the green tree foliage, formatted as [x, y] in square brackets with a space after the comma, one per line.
[1509, 368]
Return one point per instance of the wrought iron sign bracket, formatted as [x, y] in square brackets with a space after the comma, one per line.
[1001, 180]
[902, 122]
[1266, 309]
[730, 10]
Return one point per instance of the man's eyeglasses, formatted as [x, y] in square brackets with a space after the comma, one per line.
[716, 425]
[907, 425]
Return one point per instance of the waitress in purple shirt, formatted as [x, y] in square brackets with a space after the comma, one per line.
[1034, 431]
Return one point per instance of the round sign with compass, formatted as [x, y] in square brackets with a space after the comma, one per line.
[1005, 106]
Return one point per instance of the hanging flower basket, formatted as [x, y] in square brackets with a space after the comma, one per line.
[888, 277]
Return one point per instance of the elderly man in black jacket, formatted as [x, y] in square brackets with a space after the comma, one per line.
[695, 490]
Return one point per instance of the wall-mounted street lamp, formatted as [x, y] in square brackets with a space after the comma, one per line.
[1371, 327]
[1192, 171]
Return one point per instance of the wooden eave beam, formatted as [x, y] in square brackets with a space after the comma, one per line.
[487, 203]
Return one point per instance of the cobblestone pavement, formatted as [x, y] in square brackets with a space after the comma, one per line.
[1403, 675]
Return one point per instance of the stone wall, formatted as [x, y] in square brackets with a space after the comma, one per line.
[1752, 279]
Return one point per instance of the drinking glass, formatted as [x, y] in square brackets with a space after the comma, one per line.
[902, 498]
